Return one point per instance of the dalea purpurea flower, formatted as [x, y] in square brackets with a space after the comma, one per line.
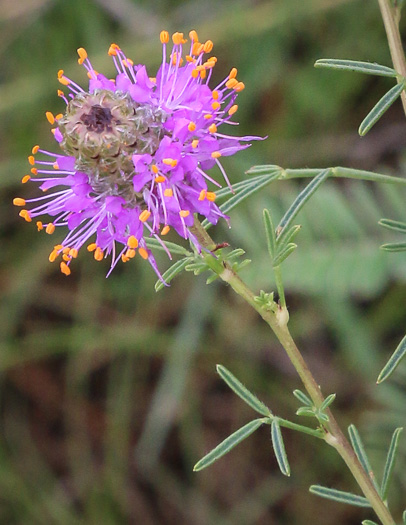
[134, 156]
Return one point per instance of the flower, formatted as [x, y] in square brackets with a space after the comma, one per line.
[135, 151]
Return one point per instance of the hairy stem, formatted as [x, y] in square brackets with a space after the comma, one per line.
[390, 16]
[278, 323]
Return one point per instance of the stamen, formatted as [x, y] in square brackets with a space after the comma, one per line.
[31, 160]
[193, 36]
[18, 201]
[239, 87]
[191, 127]
[170, 162]
[25, 179]
[184, 213]
[233, 109]
[208, 46]
[211, 196]
[195, 142]
[82, 55]
[132, 242]
[92, 247]
[177, 39]
[216, 154]
[35, 149]
[165, 230]
[231, 83]
[98, 254]
[50, 117]
[164, 37]
[65, 268]
[168, 192]
[202, 195]
[208, 116]
[213, 128]
[233, 73]
[40, 226]
[25, 214]
[154, 168]
[160, 178]
[215, 105]
[143, 252]
[215, 94]
[144, 215]
[50, 228]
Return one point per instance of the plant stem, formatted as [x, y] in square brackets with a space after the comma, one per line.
[391, 21]
[279, 286]
[278, 323]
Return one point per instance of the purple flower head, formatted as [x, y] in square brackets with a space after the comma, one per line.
[135, 151]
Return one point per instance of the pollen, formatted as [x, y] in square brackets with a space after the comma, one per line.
[98, 254]
[164, 37]
[143, 252]
[239, 87]
[53, 255]
[195, 142]
[58, 116]
[194, 73]
[211, 196]
[35, 149]
[31, 160]
[60, 93]
[165, 230]
[213, 128]
[132, 242]
[18, 202]
[40, 226]
[233, 73]
[50, 228]
[203, 73]
[202, 195]
[25, 214]
[215, 94]
[170, 162]
[208, 116]
[233, 109]
[73, 253]
[215, 105]
[193, 36]
[50, 117]
[65, 268]
[112, 50]
[144, 215]
[160, 178]
[168, 192]
[91, 247]
[177, 39]
[231, 83]
[25, 179]
[130, 253]
[184, 213]
[197, 48]
[216, 154]
[191, 126]
[208, 46]
[154, 169]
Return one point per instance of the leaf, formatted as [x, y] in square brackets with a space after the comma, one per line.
[355, 65]
[305, 411]
[284, 254]
[390, 462]
[229, 443]
[270, 233]
[379, 109]
[241, 391]
[404, 517]
[393, 362]
[393, 225]
[327, 402]
[369, 522]
[339, 496]
[300, 201]
[171, 246]
[360, 452]
[264, 169]
[172, 272]
[302, 397]
[279, 448]
[394, 247]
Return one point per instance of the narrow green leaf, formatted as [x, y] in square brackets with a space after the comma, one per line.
[390, 462]
[359, 449]
[279, 448]
[369, 522]
[302, 397]
[355, 65]
[229, 443]
[299, 202]
[172, 272]
[241, 391]
[284, 254]
[290, 235]
[305, 411]
[393, 225]
[393, 362]
[264, 169]
[239, 186]
[270, 233]
[340, 496]
[379, 109]
[154, 244]
[404, 517]
[394, 247]
[327, 402]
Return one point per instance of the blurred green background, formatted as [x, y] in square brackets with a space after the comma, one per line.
[109, 393]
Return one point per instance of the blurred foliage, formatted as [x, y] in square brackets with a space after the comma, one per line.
[108, 390]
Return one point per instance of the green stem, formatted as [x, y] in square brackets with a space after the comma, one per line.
[300, 428]
[340, 172]
[390, 16]
[279, 286]
[278, 323]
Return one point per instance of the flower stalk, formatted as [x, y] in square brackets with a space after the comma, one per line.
[278, 322]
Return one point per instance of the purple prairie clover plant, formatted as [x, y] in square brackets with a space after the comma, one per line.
[135, 151]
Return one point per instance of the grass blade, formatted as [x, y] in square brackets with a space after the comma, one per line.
[300, 201]
[339, 496]
[241, 391]
[279, 448]
[393, 362]
[229, 443]
[355, 65]
[379, 109]
[390, 462]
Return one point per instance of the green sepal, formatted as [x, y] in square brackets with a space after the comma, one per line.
[390, 462]
[238, 388]
[228, 444]
[393, 362]
[356, 65]
[279, 448]
[339, 496]
[379, 109]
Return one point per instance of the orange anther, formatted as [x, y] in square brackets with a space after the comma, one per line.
[82, 55]
[50, 228]
[55, 166]
[168, 192]
[31, 160]
[160, 178]
[73, 252]
[195, 142]
[98, 254]
[124, 259]
[215, 94]
[231, 83]
[170, 162]
[239, 87]
[112, 50]
[130, 253]
[164, 37]
[213, 128]
[60, 73]
[191, 126]
[53, 256]
[194, 73]
[215, 105]
[233, 109]
[64, 81]
[25, 214]
[184, 213]
[211, 196]
[34, 171]
[35, 149]
[132, 242]
[92, 247]
[58, 116]
[50, 117]
[208, 46]
[18, 202]
[203, 73]
[177, 38]
[154, 168]
[60, 93]
[193, 36]
[233, 73]
[25, 179]
[216, 154]
[165, 230]
[40, 226]
[143, 252]
[144, 215]
[197, 48]
[202, 195]
[65, 268]
[208, 116]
